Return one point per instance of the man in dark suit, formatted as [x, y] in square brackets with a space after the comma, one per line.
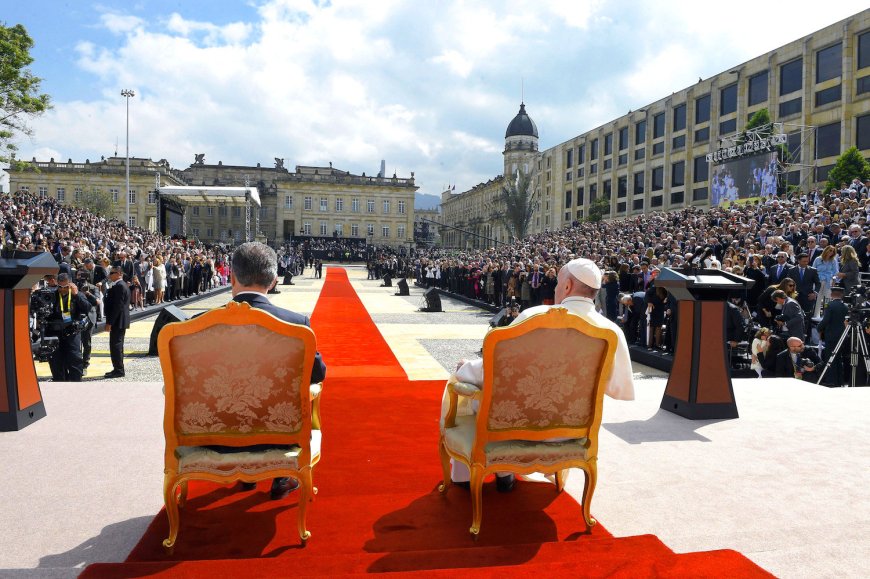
[797, 361]
[813, 250]
[255, 271]
[807, 282]
[117, 307]
[859, 242]
[831, 329]
[779, 270]
[792, 315]
[70, 307]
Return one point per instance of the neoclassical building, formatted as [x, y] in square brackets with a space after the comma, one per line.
[317, 202]
[816, 88]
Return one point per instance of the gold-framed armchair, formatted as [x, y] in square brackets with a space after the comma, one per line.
[238, 377]
[539, 407]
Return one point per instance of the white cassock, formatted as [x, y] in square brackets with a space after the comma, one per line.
[620, 386]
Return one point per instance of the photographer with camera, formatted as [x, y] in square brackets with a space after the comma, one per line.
[797, 362]
[67, 320]
[92, 294]
[791, 316]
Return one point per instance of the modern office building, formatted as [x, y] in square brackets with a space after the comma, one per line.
[816, 88]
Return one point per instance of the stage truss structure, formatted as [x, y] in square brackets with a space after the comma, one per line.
[182, 196]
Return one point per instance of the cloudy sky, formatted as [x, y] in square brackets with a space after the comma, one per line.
[429, 86]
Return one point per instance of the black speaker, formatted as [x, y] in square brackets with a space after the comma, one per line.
[388, 282]
[168, 315]
[433, 300]
[498, 319]
[404, 290]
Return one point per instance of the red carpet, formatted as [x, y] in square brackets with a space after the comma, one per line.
[378, 509]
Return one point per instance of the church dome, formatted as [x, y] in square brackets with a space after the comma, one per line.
[522, 125]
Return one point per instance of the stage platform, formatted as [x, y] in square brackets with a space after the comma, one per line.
[786, 484]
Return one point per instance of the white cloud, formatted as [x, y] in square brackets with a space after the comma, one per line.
[455, 62]
[120, 23]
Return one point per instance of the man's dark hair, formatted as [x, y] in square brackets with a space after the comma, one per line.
[255, 264]
[778, 295]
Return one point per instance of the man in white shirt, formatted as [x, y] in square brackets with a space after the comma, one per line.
[578, 283]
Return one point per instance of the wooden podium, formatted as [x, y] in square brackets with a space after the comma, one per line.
[699, 386]
[20, 397]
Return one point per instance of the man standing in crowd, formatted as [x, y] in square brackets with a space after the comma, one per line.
[831, 329]
[70, 307]
[90, 293]
[807, 282]
[578, 283]
[791, 316]
[255, 271]
[117, 308]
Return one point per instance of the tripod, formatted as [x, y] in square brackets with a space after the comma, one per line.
[858, 344]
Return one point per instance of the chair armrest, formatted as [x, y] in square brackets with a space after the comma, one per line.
[316, 389]
[466, 389]
[455, 389]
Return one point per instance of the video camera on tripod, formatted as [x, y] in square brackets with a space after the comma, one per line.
[41, 308]
[858, 302]
[857, 325]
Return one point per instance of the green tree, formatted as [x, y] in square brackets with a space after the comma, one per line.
[515, 205]
[849, 165]
[96, 201]
[598, 209]
[19, 89]
[759, 119]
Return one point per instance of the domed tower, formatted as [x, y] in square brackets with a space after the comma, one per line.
[520, 143]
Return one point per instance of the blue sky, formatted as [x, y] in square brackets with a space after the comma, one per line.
[428, 86]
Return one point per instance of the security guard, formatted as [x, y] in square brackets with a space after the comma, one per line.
[65, 322]
[92, 294]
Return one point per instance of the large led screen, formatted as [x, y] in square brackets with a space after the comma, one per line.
[744, 179]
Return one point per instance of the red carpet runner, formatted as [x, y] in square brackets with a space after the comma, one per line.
[378, 509]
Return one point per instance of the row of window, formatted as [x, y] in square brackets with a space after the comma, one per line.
[308, 204]
[829, 63]
[60, 194]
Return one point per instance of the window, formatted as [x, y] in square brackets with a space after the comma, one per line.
[639, 154]
[593, 192]
[677, 198]
[791, 76]
[579, 196]
[702, 109]
[385, 231]
[658, 125]
[306, 228]
[728, 100]
[701, 170]
[77, 194]
[209, 210]
[43, 192]
[862, 131]
[568, 199]
[339, 229]
[608, 164]
[152, 197]
[608, 189]
[114, 191]
[638, 183]
[794, 146]
[829, 95]
[829, 62]
[862, 85]
[593, 151]
[339, 204]
[678, 142]
[608, 144]
[822, 173]
[196, 210]
[288, 202]
[131, 222]
[209, 233]
[569, 158]
[702, 135]
[580, 172]
[354, 205]
[679, 117]
[699, 194]
[354, 230]
[25, 188]
[401, 207]
[623, 159]
[400, 232]
[324, 204]
[654, 201]
[593, 168]
[621, 186]
[61, 194]
[640, 132]
[789, 108]
[658, 178]
[581, 154]
[758, 88]
[828, 140]
[307, 205]
[370, 205]
[370, 229]
[324, 228]
[386, 205]
[222, 210]
[623, 138]
[132, 196]
[237, 211]
[678, 174]
[196, 231]
[637, 205]
[728, 127]
[864, 50]
[569, 175]
[658, 148]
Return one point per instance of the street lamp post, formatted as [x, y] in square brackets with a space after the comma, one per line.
[127, 93]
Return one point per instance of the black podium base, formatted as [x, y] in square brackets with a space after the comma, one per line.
[698, 411]
[16, 420]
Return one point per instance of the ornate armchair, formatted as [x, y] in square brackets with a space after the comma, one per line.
[238, 377]
[540, 405]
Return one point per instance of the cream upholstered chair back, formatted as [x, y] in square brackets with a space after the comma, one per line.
[237, 374]
[545, 379]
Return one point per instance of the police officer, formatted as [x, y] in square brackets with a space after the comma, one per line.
[70, 307]
[92, 294]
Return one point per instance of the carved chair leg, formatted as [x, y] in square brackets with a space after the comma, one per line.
[445, 467]
[305, 482]
[171, 502]
[182, 496]
[591, 470]
[561, 478]
[476, 499]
